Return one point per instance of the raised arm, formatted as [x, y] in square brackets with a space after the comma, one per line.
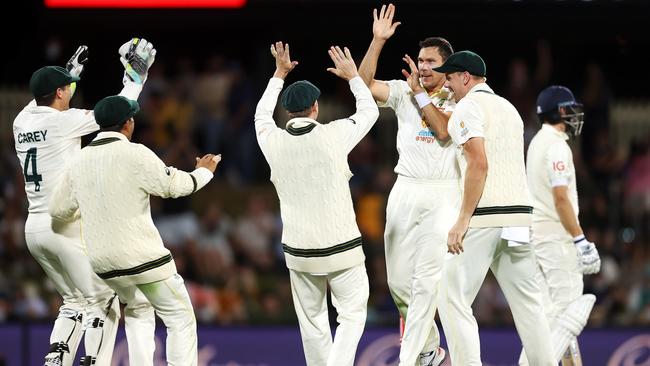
[435, 118]
[354, 128]
[137, 55]
[382, 29]
[264, 122]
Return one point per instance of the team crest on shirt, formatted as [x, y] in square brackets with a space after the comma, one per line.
[464, 131]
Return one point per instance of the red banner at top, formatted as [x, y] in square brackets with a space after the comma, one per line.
[144, 3]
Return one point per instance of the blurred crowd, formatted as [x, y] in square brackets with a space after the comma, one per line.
[226, 239]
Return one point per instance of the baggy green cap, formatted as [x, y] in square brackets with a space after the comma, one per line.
[463, 61]
[114, 110]
[299, 96]
[48, 78]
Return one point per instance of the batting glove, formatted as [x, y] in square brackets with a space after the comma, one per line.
[137, 56]
[588, 257]
[76, 63]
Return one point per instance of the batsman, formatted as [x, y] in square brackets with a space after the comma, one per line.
[562, 252]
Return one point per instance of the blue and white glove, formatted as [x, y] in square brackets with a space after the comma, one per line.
[137, 56]
[588, 257]
[76, 63]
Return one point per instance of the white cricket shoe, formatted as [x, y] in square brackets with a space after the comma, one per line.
[433, 358]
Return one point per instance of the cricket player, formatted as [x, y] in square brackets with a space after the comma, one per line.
[426, 196]
[492, 228]
[320, 237]
[108, 184]
[563, 253]
[47, 134]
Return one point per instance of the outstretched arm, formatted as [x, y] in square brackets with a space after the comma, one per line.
[382, 29]
[436, 119]
[166, 181]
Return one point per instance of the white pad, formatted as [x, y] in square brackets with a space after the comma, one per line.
[100, 333]
[570, 322]
[568, 326]
[67, 329]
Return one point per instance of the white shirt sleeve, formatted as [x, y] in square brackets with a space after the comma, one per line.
[77, 122]
[264, 122]
[160, 180]
[352, 129]
[397, 91]
[131, 89]
[466, 122]
[63, 204]
[558, 158]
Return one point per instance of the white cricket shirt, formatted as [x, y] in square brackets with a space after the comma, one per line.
[505, 200]
[310, 172]
[550, 164]
[45, 139]
[109, 183]
[421, 155]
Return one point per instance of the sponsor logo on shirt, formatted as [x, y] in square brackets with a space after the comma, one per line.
[559, 166]
[426, 136]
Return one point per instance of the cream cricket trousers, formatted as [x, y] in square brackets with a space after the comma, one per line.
[349, 289]
[558, 270]
[515, 270]
[419, 215]
[85, 296]
[171, 302]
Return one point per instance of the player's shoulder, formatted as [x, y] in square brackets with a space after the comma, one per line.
[399, 86]
[466, 106]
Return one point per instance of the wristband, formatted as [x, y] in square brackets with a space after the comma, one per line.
[423, 99]
[578, 239]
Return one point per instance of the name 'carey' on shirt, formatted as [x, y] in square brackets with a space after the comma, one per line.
[35, 136]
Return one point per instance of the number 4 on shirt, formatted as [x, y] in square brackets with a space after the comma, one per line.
[34, 177]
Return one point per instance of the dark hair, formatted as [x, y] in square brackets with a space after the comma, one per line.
[444, 47]
[114, 128]
[303, 113]
[46, 100]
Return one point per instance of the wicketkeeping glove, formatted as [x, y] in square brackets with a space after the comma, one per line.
[588, 257]
[76, 63]
[137, 56]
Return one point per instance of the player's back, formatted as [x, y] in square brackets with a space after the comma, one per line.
[311, 175]
[43, 150]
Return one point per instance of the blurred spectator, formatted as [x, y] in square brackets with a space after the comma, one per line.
[211, 97]
[522, 87]
[254, 233]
